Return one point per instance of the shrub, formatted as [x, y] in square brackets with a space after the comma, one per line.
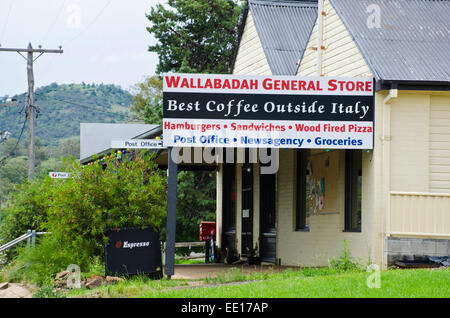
[101, 196]
[345, 261]
[27, 209]
[40, 264]
[49, 291]
[77, 211]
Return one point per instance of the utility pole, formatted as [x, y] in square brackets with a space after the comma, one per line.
[3, 137]
[30, 102]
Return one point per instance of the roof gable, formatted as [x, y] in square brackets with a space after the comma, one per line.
[284, 28]
[250, 57]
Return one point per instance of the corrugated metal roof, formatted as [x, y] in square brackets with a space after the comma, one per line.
[284, 28]
[413, 42]
[96, 137]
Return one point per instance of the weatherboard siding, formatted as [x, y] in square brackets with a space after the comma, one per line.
[420, 142]
[341, 57]
[410, 124]
[439, 178]
[325, 238]
[420, 165]
[250, 59]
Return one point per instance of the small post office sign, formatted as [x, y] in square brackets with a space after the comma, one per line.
[60, 175]
[137, 144]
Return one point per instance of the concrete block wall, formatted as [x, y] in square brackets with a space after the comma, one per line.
[405, 248]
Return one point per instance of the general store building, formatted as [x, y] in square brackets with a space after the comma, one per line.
[390, 202]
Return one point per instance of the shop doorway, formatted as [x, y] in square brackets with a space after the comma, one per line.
[229, 206]
[267, 208]
[247, 209]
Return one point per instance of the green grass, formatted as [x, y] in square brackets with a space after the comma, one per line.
[306, 283]
[133, 287]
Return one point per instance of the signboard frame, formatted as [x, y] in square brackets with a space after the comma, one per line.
[329, 113]
[137, 144]
[138, 259]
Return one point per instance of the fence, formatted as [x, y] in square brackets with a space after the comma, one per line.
[420, 214]
[185, 244]
[30, 236]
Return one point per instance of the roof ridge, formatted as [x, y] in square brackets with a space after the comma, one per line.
[285, 3]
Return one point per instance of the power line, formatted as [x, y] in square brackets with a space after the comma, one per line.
[54, 21]
[50, 63]
[90, 24]
[6, 20]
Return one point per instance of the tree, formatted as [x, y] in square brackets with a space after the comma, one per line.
[195, 35]
[78, 210]
[11, 148]
[15, 169]
[195, 202]
[125, 193]
[115, 193]
[147, 97]
[27, 209]
[68, 147]
[192, 36]
[49, 165]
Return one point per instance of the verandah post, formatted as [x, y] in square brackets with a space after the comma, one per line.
[171, 212]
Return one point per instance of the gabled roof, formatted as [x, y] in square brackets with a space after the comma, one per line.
[413, 43]
[284, 28]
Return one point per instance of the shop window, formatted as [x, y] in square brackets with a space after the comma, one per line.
[302, 191]
[353, 187]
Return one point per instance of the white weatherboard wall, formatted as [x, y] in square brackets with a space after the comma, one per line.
[439, 153]
[410, 122]
[420, 165]
[340, 57]
[420, 145]
[250, 59]
[325, 238]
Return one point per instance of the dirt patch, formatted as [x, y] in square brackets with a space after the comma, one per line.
[203, 271]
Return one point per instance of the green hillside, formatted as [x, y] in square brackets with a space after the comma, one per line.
[61, 109]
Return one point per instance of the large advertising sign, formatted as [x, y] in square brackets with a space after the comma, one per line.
[210, 110]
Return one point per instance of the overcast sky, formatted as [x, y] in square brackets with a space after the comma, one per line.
[104, 41]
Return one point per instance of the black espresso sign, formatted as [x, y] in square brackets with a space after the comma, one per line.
[267, 111]
[133, 251]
